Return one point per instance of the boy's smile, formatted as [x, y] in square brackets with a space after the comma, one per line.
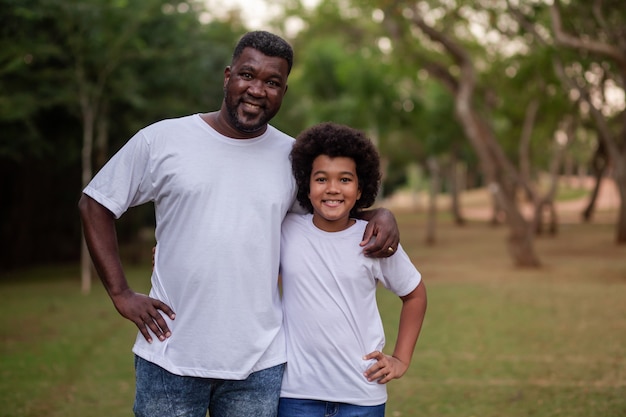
[333, 191]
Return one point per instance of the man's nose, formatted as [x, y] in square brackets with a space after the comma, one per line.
[256, 87]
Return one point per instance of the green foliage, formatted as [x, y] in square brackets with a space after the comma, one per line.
[126, 63]
[345, 73]
[345, 81]
[360, 62]
[133, 55]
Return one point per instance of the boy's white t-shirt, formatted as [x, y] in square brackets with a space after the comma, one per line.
[219, 206]
[331, 315]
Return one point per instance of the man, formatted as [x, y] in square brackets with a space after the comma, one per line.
[210, 333]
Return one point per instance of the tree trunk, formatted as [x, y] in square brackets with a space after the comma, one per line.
[87, 170]
[497, 214]
[524, 146]
[540, 210]
[102, 138]
[435, 183]
[563, 137]
[599, 165]
[453, 180]
[520, 242]
[587, 213]
[620, 182]
[498, 171]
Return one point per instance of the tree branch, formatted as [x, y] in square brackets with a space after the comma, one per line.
[596, 47]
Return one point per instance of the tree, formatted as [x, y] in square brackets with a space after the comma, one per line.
[344, 73]
[594, 32]
[460, 76]
[604, 38]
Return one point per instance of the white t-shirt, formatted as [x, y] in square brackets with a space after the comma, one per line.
[219, 206]
[331, 315]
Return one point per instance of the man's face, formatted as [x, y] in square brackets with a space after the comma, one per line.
[254, 87]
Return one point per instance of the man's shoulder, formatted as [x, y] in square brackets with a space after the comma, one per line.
[279, 134]
[172, 122]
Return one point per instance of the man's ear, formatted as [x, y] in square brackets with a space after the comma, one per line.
[227, 72]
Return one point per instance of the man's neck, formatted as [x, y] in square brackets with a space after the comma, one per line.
[218, 122]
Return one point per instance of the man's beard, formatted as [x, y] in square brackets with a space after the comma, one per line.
[237, 123]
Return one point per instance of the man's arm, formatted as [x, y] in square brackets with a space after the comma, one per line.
[383, 227]
[101, 238]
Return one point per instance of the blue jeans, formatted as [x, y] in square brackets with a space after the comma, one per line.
[293, 407]
[160, 393]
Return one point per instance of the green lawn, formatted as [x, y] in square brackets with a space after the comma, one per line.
[497, 341]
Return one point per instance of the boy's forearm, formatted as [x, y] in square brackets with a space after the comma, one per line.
[411, 320]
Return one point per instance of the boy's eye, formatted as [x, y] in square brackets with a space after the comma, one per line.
[346, 180]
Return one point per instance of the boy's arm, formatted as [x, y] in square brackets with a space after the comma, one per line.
[411, 319]
[381, 225]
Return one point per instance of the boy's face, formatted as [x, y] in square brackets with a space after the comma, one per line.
[333, 191]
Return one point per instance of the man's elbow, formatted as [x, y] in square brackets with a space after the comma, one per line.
[89, 208]
[83, 205]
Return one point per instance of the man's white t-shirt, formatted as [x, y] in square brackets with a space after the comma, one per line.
[219, 206]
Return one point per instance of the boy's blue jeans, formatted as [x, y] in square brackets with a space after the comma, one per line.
[160, 393]
[293, 407]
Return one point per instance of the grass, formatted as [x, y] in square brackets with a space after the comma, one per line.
[500, 341]
[497, 341]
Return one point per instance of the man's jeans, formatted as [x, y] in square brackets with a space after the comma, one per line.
[160, 393]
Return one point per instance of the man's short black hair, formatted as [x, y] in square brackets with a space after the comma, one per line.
[267, 43]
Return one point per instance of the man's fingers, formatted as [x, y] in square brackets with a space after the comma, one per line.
[380, 248]
[160, 305]
[144, 331]
[368, 234]
[162, 327]
[157, 329]
[156, 325]
[147, 314]
[379, 251]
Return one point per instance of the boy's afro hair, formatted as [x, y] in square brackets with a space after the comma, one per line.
[336, 140]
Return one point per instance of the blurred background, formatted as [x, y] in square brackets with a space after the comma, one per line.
[508, 96]
[502, 129]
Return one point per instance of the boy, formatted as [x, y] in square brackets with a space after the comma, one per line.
[335, 337]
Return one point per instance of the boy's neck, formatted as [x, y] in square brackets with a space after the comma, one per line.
[330, 225]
